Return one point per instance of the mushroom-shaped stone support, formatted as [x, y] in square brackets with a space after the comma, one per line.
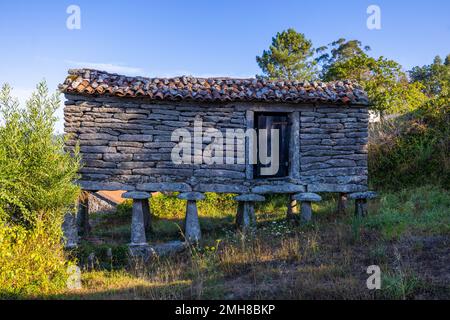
[245, 216]
[140, 214]
[361, 201]
[306, 199]
[192, 230]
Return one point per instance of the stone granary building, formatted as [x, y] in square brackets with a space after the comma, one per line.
[194, 135]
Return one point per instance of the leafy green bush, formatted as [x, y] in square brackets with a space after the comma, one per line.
[36, 191]
[413, 149]
[32, 261]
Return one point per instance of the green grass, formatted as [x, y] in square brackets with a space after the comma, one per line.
[423, 210]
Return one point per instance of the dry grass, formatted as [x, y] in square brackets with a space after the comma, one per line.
[326, 259]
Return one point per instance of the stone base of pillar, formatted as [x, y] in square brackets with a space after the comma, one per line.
[70, 231]
[306, 199]
[137, 223]
[361, 207]
[82, 217]
[139, 212]
[146, 251]
[245, 216]
[192, 231]
[147, 216]
[306, 211]
[140, 252]
[361, 199]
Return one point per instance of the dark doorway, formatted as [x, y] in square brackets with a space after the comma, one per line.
[280, 122]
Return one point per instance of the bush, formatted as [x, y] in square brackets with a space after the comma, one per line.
[32, 261]
[36, 191]
[411, 150]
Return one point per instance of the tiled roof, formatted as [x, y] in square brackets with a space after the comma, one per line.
[99, 83]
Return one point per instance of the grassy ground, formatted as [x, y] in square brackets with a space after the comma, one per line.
[407, 234]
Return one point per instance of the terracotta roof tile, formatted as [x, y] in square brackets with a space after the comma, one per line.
[98, 83]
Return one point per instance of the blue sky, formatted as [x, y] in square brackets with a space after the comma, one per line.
[200, 38]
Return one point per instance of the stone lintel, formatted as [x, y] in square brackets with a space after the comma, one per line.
[278, 188]
[165, 187]
[136, 195]
[250, 197]
[106, 186]
[191, 196]
[363, 195]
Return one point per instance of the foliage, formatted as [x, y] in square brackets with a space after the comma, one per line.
[35, 173]
[413, 149]
[435, 77]
[36, 190]
[384, 81]
[289, 57]
[32, 261]
[338, 51]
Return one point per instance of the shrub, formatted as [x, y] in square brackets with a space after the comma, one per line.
[413, 149]
[32, 261]
[36, 191]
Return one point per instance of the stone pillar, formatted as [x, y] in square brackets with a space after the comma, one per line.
[245, 216]
[361, 201]
[306, 211]
[342, 204]
[139, 211]
[192, 231]
[306, 199]
[361, 207]
[82, 218]
[147, 215]
[70, 230]
[292, 208]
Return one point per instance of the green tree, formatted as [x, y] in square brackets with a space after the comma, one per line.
[338, 51]
[435, 77]
[36, 175]
[289, 57]
[36, 191]
[386, 84]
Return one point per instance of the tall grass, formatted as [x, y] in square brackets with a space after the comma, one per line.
[411, 150]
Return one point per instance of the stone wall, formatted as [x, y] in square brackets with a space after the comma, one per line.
[126, 144]
[333, 144]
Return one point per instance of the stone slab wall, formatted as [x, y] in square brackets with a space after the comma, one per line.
[126, 144]
[333, 148]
